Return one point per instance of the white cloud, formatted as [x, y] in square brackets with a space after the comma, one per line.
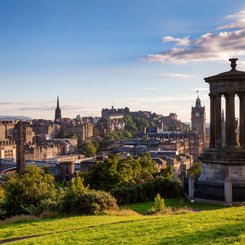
[214, 45]
[176, 75]
[237, 20]
[185, 41]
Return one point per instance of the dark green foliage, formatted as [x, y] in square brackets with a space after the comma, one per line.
[194, 170]
[114, 172]
[63, 134]
[167, 172]
[30, 192]
[3, 212]
[79, 199]
[88, 149]
[146, 191]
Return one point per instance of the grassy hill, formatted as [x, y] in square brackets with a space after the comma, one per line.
[219, 226]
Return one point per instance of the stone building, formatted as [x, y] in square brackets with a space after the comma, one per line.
[7, 149]
[114, 123]
[41, 152]
[2, 130]
[28, 135]
[7, 130]
[82, 129]
[113, 111]
[42, 127]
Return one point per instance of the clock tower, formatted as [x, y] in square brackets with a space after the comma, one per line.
[198, 119]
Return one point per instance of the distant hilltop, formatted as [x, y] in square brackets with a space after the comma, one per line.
[13, 118]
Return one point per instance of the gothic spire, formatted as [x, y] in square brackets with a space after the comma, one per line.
[198, 101]
[58, 103]
[57, 110]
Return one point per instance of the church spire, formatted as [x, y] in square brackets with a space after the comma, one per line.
[57, 110]
[58, 103]
[198, 101]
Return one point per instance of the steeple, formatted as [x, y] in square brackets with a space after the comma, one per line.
[198, 101]
[57, 110]
[58, 104]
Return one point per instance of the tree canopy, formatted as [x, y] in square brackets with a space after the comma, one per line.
[114, 171]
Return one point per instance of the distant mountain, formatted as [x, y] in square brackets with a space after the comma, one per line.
[13, 118]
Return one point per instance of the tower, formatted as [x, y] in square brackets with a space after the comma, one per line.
[20, 161]
[198, 119]
[57, 110]
[197, 136]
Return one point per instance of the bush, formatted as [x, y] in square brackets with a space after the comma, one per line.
[79, 199]
[146, 191]
[158, 206]
[30, 192]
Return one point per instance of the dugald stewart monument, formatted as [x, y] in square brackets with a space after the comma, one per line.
[223, 163]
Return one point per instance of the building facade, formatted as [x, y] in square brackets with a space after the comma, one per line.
[7, 149]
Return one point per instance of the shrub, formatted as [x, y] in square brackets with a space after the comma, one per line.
[79, 199]
[146, 191]
[158, 206]
[30, 192]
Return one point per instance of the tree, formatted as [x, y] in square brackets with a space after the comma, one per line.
[63, 134]
[114, 172]
[104, 175]
[158, 205]
[29, 192]
[167, 172]
[88, 149]
[194, 170]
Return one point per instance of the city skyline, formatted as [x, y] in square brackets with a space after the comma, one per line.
[145, 55]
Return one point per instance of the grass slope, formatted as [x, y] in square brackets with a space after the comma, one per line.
[220, 226]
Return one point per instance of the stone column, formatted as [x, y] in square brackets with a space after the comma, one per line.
[191, 188]
[228, 191]
[218, 121]
[212, 120]
[20, 160]
[230, 119]
[242, 120]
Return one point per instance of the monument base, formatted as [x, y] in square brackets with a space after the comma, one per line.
[222, 175]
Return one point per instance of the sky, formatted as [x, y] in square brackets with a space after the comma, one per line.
[144, 54]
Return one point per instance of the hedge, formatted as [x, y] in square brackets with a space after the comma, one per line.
[146, 191]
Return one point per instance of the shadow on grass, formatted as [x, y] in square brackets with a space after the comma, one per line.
[225, 234]
[28, 219]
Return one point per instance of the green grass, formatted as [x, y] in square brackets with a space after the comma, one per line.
[219, 226]
[174, 203]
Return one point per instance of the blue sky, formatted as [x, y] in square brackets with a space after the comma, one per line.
[143, 54]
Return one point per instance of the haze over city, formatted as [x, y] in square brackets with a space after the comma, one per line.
[146, 55]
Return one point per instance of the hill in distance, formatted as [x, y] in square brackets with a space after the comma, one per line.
[13, 118]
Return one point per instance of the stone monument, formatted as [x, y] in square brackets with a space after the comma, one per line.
[223, 163]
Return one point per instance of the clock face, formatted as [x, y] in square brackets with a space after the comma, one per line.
[197, 114]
